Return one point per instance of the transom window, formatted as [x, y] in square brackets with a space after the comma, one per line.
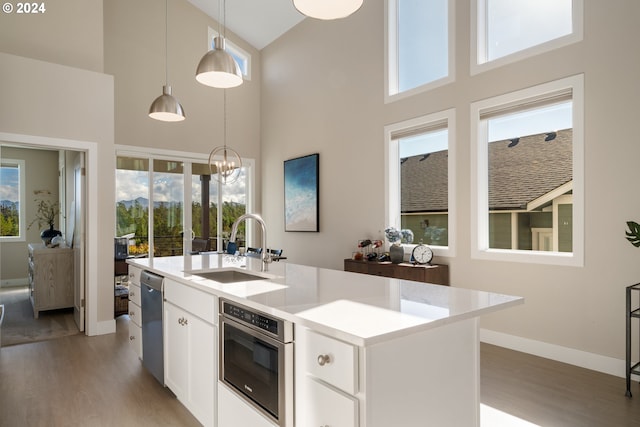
[510, 30]
[528, 179]
[241, 56]
[418, 54]
[420, 179]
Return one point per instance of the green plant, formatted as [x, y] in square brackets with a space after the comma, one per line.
[633, 235]
[46, 213]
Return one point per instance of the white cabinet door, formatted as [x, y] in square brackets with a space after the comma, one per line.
[190, 361]
[176, 339]
[235, 412]
[325, 406]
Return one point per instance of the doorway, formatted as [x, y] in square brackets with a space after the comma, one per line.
[67, 185]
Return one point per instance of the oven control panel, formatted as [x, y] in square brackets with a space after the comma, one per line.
[251, 318]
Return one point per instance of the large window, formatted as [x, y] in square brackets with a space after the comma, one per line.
[509, 30]
[419, 43]
[162, 186]
[12, 202]
[528, 178]
[420, 179]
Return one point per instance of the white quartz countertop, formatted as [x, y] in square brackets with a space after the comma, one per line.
[358, 308]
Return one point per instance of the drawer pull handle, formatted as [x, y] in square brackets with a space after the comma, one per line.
[132, 313]
[323, 359]
[182, 321]
[132, 294]
[131, 338]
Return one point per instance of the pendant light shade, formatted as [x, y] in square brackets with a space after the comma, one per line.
[217, 68]
[327, 9]
[166, 107]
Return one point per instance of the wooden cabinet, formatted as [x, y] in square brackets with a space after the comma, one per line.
[437, 274]
[51, 278]
[135, 311]
[190, 349]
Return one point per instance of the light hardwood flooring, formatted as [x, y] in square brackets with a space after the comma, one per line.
[97, 381]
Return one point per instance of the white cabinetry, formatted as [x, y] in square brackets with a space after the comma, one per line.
[135, 311]
[51, 276]
[235, 412]
[408, 381]
[190, 348]
[326, 381]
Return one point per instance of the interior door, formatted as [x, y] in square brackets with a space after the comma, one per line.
[77, 240]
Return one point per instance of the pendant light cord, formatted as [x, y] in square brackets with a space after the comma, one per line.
[166, 42]
[224, 126]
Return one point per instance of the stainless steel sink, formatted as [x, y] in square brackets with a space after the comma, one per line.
[229, 276]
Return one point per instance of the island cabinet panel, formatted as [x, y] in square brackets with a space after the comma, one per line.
[51, 278]
[437, 274]
[135, 311]
[190, 349]
[233, 411]
[408, 381]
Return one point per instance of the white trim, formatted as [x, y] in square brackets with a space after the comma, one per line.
[391, 91]
[479, 34]
[479, 176]
[392, 174]
[105, 327]
[92, 235]
[582, 359]
[550, 196]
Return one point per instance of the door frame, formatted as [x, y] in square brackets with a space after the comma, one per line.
[91, 206]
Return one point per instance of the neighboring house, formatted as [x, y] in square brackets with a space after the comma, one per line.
[530, 193]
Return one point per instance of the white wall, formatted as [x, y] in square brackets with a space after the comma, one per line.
[323, 92]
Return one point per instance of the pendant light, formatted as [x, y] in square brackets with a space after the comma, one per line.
[166, 107]
[224, 162]
[327, 9]
[217, 68]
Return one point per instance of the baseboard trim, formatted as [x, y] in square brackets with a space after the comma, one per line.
[583, 359]
[10, 283]
[106, 327]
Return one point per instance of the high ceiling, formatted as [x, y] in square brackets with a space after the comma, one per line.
[259, 22]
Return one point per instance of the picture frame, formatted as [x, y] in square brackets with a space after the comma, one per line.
[301, 193]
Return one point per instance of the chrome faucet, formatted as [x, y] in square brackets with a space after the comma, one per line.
[265, 256]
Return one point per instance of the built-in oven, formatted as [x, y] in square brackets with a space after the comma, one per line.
[256, 359]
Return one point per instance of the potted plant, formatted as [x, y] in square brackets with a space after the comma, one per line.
[396, 237]
[633, 235]
[46, 213]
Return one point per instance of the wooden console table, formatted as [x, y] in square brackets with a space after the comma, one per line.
[51, 278]
[437, 273]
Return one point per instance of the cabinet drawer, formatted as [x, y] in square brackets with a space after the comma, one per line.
[331, 360]
[134, 294]
[328, 407]
[134, 275]
[135, 339]
[135, 313]
[192, 300]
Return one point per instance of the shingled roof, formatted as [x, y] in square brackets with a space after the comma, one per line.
[520, 171]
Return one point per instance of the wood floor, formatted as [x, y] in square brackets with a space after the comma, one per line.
[97, 381]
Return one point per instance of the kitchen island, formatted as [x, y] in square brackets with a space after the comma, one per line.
[399, 352]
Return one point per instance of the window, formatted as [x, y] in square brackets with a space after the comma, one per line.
[242, 58]
[142, 182]
[419, 34]
[420, 179]
[510, 30]
[12, 200]
[528, 175]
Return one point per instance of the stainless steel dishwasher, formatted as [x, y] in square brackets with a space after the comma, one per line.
[151, 299]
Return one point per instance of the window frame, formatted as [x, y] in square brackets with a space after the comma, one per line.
[479, 176]
[232, 49]
[479, 39]
[391, 91]
[188, 159]
[392, 174]
[22, 227]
